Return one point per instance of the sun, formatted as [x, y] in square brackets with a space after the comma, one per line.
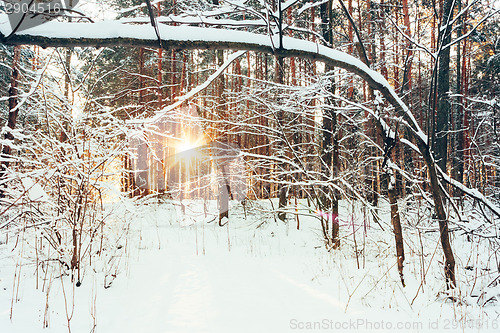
[189, 148]
[186, 145]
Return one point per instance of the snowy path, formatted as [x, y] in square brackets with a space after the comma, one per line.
[203, 296]
[221, 291]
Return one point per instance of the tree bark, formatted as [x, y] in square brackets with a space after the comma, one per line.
[443, 87]
[12, 118]
[330, 146]
[441, 141]
[396, 224]
[458, 166]
[282, 187]
[409, 54]
[224, 186]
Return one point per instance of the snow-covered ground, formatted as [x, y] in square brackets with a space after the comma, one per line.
[178, 272]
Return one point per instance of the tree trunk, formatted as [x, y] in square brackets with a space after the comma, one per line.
[441, 141]
[12, 118]
[160, 69]
[67, 82]
[282, 188]
[443, 87]
[350, 92]
[449, 269]
[409, 55]
[224, 187]
[330, 146]
[396, 224]
[458, 166]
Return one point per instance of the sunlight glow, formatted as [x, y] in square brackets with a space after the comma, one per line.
[186, 149]
[186, 145]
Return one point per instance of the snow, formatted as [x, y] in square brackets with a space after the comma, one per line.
[180, 273]
[409, 144]
[34, 190]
